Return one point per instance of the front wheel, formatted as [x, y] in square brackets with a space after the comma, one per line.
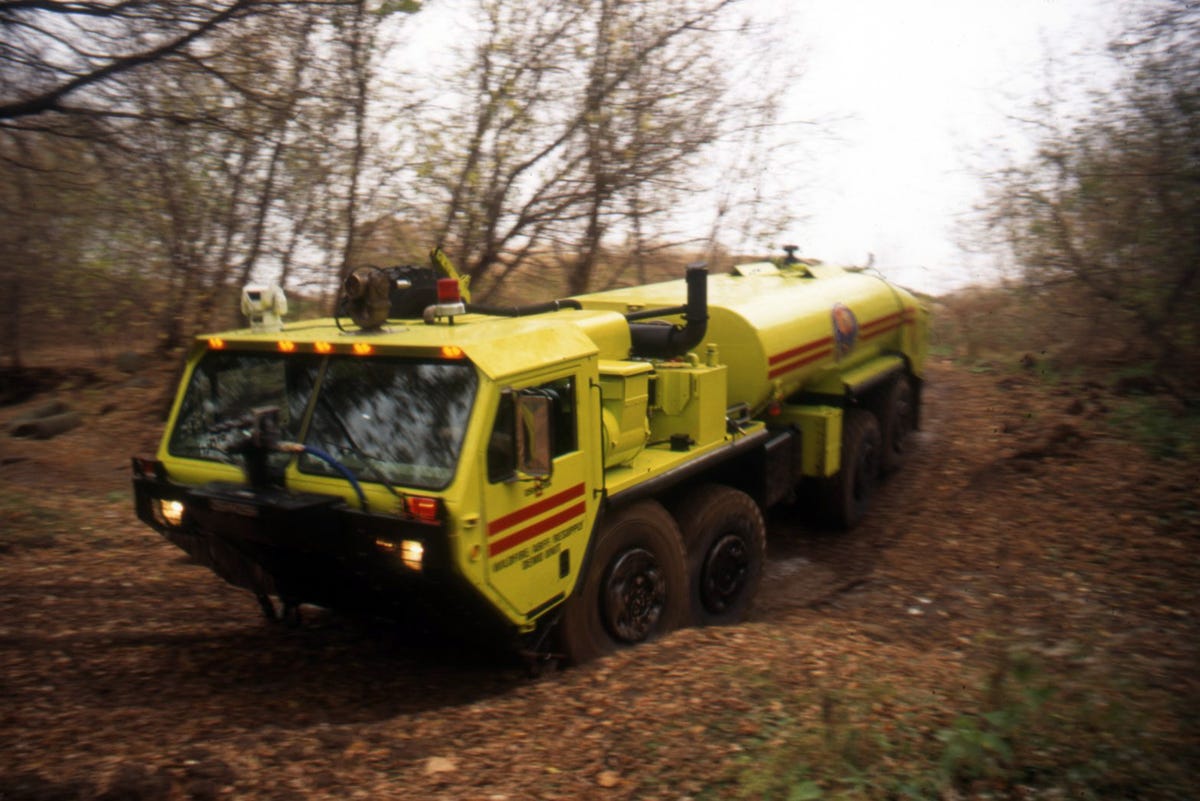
[634, 588]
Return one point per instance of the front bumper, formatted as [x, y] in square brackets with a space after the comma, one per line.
[309, 548]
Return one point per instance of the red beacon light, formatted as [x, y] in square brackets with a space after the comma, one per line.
[449, 299]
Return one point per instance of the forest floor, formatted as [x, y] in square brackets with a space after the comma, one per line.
[1019, 617]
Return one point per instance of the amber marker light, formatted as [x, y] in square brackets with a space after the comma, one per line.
[452, 352]
[363, 349]
[323, 347]
[216, 343]
[286, 346]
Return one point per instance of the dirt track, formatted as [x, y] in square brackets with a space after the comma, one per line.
[1019, 520]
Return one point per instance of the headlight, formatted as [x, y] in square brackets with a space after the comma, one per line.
[168, 513]
[412, 554]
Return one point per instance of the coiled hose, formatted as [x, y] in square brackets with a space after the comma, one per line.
[332, 462]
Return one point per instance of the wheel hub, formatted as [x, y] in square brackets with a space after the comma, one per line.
[634, 596]
[723, 577]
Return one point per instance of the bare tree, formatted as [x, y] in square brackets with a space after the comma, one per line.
[66, 57]
[224, 161]
[578, 124]
[1110, 205]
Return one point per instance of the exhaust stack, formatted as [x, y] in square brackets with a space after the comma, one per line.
[662, 340]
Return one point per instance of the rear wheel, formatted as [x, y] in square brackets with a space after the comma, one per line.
[725, 539]
[897, 420]
[635, 587]
[847, 495]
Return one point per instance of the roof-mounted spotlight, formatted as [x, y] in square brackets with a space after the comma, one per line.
[264, 307]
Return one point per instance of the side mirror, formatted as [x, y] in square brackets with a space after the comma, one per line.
[535, 456]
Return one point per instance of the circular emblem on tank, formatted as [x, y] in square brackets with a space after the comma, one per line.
[845, 329]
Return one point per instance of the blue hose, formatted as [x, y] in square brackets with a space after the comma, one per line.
[341, 468]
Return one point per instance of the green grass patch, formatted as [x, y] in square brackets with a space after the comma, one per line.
[942, 350]
[30, 522]
[1160, 426]
[1013, 728]
[870, 741]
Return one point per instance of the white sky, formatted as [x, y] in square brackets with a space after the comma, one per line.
[913, 97]
[917, 94]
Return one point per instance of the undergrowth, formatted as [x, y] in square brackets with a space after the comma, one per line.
[1161, 427]
[1065, 339]
[29, 522]
[1022, 728]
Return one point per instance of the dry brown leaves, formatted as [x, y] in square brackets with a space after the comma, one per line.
[129, 673]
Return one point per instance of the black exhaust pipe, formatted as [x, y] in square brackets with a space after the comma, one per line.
[662, 340]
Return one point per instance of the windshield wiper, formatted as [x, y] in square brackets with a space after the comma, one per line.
[367, 459]
[256, 435]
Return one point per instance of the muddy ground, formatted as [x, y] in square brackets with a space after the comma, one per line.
[1019, 617]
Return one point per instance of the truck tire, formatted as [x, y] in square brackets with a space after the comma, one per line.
[847, 495]
[635, 585]
[897, 420]
[726, 543]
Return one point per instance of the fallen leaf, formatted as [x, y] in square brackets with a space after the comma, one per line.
[608, 778]
[438, 764]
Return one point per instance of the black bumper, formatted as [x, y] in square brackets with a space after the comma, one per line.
[307, 548]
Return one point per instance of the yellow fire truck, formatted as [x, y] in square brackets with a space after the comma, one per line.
[577, 476]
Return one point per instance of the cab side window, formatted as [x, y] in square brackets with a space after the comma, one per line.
[502, 444]
[502, 449]
[562, 396]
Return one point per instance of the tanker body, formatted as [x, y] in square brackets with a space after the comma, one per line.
[784, 331]
[575, 476]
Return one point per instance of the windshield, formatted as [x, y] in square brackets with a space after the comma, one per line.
[396, 419]
[223, 393]
[400, 421]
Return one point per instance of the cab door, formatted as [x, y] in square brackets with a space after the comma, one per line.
[538, 502]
